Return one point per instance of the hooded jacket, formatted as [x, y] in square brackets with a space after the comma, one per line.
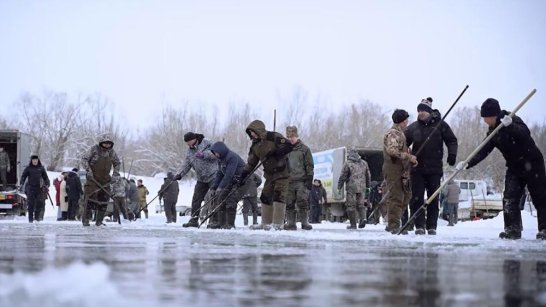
[34, 174]
[271, 148]
[73, 186]
[230, 166]
[430, 158]
[100, 160]
[516, 145]
[355, 174]
[205, 168]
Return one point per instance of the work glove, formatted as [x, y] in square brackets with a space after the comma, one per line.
[199, 155]
[451, 158]
[461, 166]
[178, 177]
[506, 121]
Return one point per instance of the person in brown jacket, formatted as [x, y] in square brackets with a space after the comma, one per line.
[142, 192]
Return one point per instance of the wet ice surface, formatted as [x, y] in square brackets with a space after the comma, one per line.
[151, 264]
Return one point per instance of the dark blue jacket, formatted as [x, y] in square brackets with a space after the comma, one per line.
[35, 174]
[230, 166]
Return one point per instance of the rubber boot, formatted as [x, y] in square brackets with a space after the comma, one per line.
[267, 218]
[255, 218]
[290, 220]
[191, 223]
[214, 222]
[230, 215]
[304, 214]
[64, 216]
[352, 219]
[221, 219]
[146, 214]
[510, 234]
[85, 214]
[101, 210]
[541, 235]
[245, 218]
[279, 212]
[363, 220]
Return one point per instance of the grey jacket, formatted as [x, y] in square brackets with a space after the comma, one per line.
[355, 174]
[205, 168]
[453, 192]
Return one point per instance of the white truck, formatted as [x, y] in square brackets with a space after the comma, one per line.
[475, 202]
[17, 145]
[328, 166]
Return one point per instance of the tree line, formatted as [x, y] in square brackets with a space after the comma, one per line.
[63, 127]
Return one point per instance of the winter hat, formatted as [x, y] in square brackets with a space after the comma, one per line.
[291, 131]
[490, 107]
[399, 116]
[34, 157]
[75, 170]
[425, 105]
[189, 136]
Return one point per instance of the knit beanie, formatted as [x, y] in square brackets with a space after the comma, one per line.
[490, 107]
[425, 105]
[399, 116]
[189, 136]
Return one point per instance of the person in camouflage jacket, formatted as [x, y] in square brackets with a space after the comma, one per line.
[5, 167]
[355, 174]
[205, 164]
[98, 162]
[120, 186]
[271, 148]
[301, 168]
[397, 162]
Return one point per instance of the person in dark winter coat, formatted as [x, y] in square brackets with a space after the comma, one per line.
[205, 164]
[36, 180]
[120, 187]
[169, 193]
[429, 171]
[74, 192]
[132, 195]
[301, 168]
[226, 189]
[250, 199]
[98, 163]
[271, 148]
[355, 175]
[374, 199]
[317, 198]
[452, 201]
[525, 167]
[5, 167]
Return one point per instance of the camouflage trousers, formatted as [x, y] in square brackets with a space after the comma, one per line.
[297, 195]
[397, 196]
[355, 201]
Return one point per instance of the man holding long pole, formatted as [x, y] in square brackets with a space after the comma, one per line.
[429, 171]
[525, 167]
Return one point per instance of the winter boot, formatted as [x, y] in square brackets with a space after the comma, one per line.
[352, 219]
[510, 234]
[146, 214]
[214, 221]
[245, 218]
[419, 231]
[431, 232]
[305, 220]
[229, 217]
[64, 216]
[191, 223]
[101, 210]
[279, 211]
[541, 235]
[267, 218]
[290, 220]
[363, 220]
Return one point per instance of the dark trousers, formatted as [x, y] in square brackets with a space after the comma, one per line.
[170, 211]
[250, 204]
[316, 212]
[72, 208]
[199, 192]
[514, 185]
[419, 183]
[34, 195]
[3, 177]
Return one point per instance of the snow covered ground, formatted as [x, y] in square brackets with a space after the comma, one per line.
[150, 263]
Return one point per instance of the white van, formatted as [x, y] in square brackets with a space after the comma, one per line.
[471, 189]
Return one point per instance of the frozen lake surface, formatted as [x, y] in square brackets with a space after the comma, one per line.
[148, 263]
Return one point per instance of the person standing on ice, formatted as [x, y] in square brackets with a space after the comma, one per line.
[120, 187]
[397, 162]
[525, 166]
[36, 177]
[250, 199]
[452, 202]
[204, 163]
[428, 173]
[5, 167]
[355, 175]
[271, 148]
[142, 191]
[317, 199]
[98, 162]
[301, 168]
[169, 193]
[227, 189]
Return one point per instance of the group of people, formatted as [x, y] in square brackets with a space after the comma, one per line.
[408, 173]
[224, 178]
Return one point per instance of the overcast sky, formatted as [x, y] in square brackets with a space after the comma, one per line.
[142, 54]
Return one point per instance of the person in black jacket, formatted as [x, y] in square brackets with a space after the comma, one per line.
[36, 183]
[225, 189]
[525, 167]
[317, 198]
[169, 193]
[74, 191]
[429, 170]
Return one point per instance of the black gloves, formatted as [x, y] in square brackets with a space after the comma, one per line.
[178, 177]
[451, 158]
[309, 182]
